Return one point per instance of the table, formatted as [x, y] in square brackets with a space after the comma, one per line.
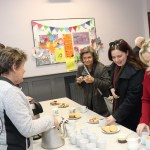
[111, 138]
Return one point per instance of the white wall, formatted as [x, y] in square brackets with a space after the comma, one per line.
[114, 19]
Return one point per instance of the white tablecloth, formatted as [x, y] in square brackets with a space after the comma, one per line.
[112, 143]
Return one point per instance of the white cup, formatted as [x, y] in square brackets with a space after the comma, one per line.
[83, 143]
[72, 123]
[143, 137]
[78, 138]
[90, 146]
[93, 139]
[102, 144]
[83, 109]
[72, 110]
[147, 141]
[55, 112]
[102, 122]
[133, 143]
[73, 138]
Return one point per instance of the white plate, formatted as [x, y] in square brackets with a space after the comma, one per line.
[74, 118]
[118, 129]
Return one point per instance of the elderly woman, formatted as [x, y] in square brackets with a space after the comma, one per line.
[93, 77]
[127, 75]
[16, 121]
[144, 55]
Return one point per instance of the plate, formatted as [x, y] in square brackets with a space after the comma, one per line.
[54, 103]
[74, 118]
[110, 132]
[63, 105]
[94, 120]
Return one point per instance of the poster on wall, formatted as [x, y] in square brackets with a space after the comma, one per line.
[60, 40]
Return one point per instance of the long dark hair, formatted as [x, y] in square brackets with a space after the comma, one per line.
[123, 46]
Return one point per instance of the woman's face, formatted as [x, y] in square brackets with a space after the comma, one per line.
[146, 57]
[119, 57]
[18, 74]
[88, 59]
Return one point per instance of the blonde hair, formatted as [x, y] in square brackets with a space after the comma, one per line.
[145, 48]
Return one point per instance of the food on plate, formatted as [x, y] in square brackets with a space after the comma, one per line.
[122, 138]
[110, 129]
[63, 105]
[54, 102]
[74, 116]
[94, 120]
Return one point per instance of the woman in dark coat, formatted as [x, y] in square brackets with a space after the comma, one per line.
[93, 77]
[127, 73]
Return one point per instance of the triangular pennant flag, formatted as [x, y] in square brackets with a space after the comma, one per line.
[83, 25]
[51, 28]
[66, 29]
[75, 27]
[88, 22]
[61, 29]
[91, 21]
[33, 23]
[70, 28]
[57, 29]
[79, 27]
[45, 27]
[39, 25]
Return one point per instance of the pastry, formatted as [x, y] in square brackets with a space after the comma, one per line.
[113, 128]
[94, 120]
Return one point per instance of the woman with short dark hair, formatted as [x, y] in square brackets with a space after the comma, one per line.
[93, 78]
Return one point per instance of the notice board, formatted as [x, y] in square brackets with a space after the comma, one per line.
[60, 40]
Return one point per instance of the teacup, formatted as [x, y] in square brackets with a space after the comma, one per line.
[72, 110]
[143, 137]
[133, 143]
[102, 122]
[55, 111]
[83, 109]
[102, 143]
[122, 138]
[147, 141]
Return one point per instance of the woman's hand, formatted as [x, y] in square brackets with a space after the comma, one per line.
[114, 94]
[141, 127]
[80, 79]
[88, 79]
[110, 120]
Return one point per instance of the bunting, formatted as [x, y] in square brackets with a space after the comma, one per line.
[67, 29]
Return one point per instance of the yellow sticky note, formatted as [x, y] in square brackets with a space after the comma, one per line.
[60, 55]
[70, 64]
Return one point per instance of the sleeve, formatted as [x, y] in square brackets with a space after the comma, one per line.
[132, 97]
[145, 118]
[18, 110]
[102, 82]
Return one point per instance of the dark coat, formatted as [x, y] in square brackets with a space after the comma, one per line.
[129, 89]
[92, 98]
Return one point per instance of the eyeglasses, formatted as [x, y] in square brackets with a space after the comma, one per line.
[117, 43]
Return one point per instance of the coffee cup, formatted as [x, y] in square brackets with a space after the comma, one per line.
[83, 143]
[102, 122]
[133, 143]
[55, 112]
[147, 141]
[143, 137]
[90, 146]
[102, 143]
[72, 110]
[83, 109]
[122, 138]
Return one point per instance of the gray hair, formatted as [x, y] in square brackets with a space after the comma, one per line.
[10, 56]
[139, 41]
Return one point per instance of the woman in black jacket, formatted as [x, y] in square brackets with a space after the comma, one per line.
[93, 77]
[127, 73]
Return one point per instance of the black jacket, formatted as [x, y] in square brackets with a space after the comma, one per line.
[129, 89]
[92, 98]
